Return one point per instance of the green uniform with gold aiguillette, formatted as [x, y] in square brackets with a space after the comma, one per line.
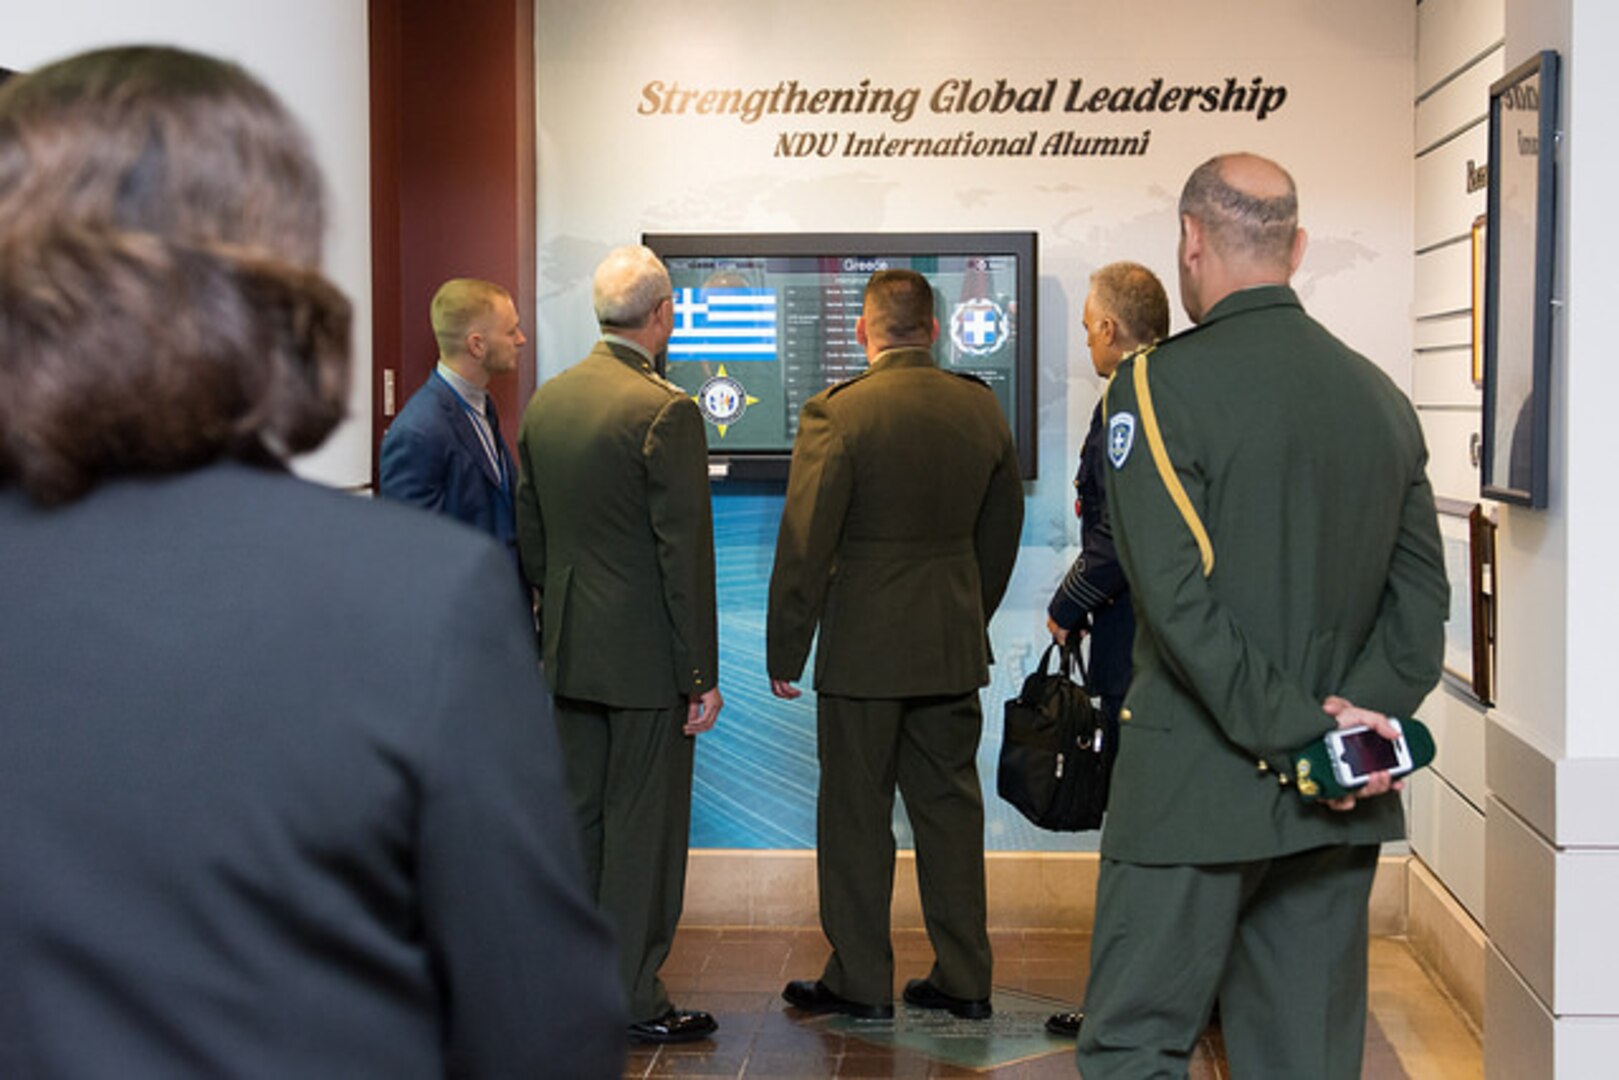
[1274, 517]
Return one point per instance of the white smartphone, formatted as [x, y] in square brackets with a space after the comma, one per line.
[1358, 752]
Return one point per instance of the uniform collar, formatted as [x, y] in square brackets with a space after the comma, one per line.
[1252, 299]
[904, 356]
[629, 351]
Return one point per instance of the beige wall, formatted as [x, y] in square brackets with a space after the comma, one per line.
[1552, 749]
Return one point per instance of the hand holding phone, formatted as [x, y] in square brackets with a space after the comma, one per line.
[1335, 768]
[1357, 752]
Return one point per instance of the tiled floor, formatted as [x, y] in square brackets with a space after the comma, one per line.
[1414, 1030]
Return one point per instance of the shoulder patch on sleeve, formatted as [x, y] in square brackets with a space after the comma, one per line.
[1121, 437]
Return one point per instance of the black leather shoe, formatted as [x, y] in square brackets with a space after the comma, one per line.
[675, 1026]
[1065, 1024]
[924, 995]
[812, 995]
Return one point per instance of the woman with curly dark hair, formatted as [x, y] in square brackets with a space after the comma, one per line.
[279, 795]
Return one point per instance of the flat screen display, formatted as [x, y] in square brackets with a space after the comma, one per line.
[764, 321]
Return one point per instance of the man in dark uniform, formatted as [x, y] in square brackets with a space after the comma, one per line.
[617, 537]
[898, 537]
[1275, 521]
[1125, 310]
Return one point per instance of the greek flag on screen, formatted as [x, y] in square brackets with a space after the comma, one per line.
[724, 324]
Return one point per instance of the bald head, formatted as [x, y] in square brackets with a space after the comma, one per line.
[1239, 228]
[1248, 207]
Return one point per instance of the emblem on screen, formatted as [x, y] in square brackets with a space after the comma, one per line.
[978, 326]
[723, 400]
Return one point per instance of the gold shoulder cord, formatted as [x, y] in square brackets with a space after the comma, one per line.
[1166, 469]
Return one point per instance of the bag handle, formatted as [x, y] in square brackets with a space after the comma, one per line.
[1070, 659]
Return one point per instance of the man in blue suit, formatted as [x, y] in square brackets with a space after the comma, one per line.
[444, 451]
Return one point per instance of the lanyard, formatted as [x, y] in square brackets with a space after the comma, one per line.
[480, 425]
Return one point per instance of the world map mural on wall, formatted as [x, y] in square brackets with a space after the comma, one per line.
[612, 166]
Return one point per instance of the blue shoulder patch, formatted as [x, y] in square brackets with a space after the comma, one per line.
[1121, 436]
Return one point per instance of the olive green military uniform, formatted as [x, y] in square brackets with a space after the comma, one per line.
[1322, 574]
[898, 537]
[616, 532]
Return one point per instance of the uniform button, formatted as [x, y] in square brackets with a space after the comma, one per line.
[1124, 714]
[1264, 766]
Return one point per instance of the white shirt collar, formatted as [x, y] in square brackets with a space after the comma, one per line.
[475, 396]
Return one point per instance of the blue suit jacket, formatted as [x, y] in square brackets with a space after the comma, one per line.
[432, 457]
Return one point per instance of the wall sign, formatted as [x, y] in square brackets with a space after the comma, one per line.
[1518, 304]
[1118, 115]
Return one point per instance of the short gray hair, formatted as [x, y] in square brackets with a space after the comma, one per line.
[628, 285]
[1135, 298]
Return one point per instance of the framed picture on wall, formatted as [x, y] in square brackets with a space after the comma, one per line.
[1518, 262]
[1468, 534]
[1479, 234]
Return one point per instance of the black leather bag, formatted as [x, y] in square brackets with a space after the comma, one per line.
[1056, 752]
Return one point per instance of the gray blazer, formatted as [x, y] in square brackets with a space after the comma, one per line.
[280, 796]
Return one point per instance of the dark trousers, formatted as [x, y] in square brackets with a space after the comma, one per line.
[928, 748]
[629, 778]
[1281, 943]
